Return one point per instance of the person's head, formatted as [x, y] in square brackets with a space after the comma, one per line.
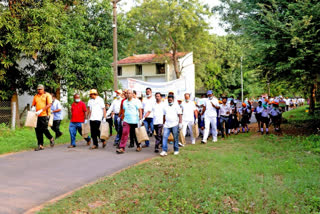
[148, 92]
[209, 94]
[179, 102]
[93, 93]
[232, 103]
[76, 98]
[224, 100]
[119, 93]
[107, 105]
[187, 96]
[134, 94]
[260, 103]
[158, 97]
[40, 89]
[170, 99]
[171, 93]
[53, 97]
[244, 105]
[124, 95]
[129, 94]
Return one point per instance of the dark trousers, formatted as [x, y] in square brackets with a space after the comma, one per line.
[42, 128]
[265, 120]
[56, 128]
[109, 120]
[95, 131]
[224, 124]
[133, 136]
[158, 129]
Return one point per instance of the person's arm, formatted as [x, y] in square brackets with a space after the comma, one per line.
[48, 102]
[215, 106]
[59, 108]
[180, 118]
[111, 110]
[140, 113]
[203, 110]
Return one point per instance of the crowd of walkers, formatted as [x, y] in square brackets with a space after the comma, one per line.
[169, 119]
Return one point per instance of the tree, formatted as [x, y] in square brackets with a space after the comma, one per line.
[169, 25]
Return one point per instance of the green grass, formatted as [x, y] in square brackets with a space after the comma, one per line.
[247, 174]
[301, 115]
[25, 138]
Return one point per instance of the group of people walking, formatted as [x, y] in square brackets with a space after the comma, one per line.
[165, 119]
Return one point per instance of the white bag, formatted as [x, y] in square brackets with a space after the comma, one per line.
[50, 123]
[104, 131]
[85, 129]
[141, 134]
[31, 120]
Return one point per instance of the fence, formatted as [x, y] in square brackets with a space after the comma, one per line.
[5, 112]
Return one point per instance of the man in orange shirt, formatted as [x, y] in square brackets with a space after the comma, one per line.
[42, 102]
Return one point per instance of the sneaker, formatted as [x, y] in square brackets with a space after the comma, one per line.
[261, 133]
[267, 133]
[156, 151]
[215, 139]
[52, 142]
[163, 153]
[71, 146]
[176, 153]
[202, 142]
[193, 142]
[180, 144]
[39, 148]
[120, 151]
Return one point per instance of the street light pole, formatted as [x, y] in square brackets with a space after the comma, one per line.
[115, 45]
[241, 81]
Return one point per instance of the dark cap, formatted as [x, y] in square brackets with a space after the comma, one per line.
[170, 96]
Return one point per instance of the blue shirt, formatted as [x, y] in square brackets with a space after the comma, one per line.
[131, 111]
[55, 106]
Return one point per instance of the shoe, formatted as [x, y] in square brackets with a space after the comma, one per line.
[156, 151]
[93, 147]
[248, 130]
[39, 148]
[131, 145]
[202, 142]
[163, 153]
[176, 153]
[88, 142]
[145, 146]
[261, 133]
[180, 144]
[139, 149]
[193, 142]
[71, 146]
[120, 151]
[215, 139]
[57, 136]
[52, 142]
[104, 144]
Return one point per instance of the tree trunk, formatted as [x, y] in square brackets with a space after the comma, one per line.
[312, 98]
[58, 93]
[14, 99]
[175, 63]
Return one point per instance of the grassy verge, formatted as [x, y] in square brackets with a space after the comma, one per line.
[247, 173]
[300, 116]
[25, 138]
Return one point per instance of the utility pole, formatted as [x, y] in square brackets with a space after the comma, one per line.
[115, 45]
[241, 81]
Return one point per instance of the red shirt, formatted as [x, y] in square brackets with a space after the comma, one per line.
[121, 108]
[78, 112]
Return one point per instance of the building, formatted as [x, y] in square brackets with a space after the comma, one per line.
[156, 68]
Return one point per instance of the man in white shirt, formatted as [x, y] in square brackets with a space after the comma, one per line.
[224, 111]
[148, 121]
[56, 110]
[96, 114]
[157, 110]
[189, 116]
[114, 111]
[210, 117]
[173, 122]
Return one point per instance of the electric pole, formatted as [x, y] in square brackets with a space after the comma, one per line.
[241, 81]
[115, 45]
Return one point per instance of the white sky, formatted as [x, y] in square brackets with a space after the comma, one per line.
[125, 5]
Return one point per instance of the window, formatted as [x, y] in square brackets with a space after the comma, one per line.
[119, 71]
[161, 69]
[138, 69]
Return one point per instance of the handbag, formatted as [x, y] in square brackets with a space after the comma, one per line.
[31, 120]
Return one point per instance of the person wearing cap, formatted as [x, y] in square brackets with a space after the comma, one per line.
[132, 114]
[114, 111]
[78, 115]
[225, 112]
[275, 115]
[42, 102]
[96, 115]
[172, 123]
[265, 118]
[56, 109]
[245, 115]
[210, 117]
[148, 114]
[189, 116]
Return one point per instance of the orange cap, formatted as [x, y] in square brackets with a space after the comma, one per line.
[244, 105]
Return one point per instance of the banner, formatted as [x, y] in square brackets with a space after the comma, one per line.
[179, 87]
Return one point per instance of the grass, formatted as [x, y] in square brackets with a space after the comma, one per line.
[300, 116]
[25, 138]
[247, 173]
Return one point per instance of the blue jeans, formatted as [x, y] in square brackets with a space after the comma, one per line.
[73, 128]
[166, 132]
[148, 123]
[118, 128]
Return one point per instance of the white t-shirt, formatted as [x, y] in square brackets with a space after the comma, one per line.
[147, 106]
[115, 107]
[188, 109]
[224, 109]
[210, 110]
[96, 107]
[158, 111]
[171, 113]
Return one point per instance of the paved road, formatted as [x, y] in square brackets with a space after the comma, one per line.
[30, 178]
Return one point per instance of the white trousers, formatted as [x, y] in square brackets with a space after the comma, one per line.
[185, 125]
[207, 122]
